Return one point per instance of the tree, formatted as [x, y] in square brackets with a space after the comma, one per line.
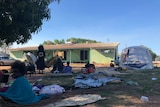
[154, 55]
[72, 40]
[80, 40]
[4, 47]
[56, 41]
[20, 18]
[48, 42]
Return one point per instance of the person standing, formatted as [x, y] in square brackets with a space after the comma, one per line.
[40, 59]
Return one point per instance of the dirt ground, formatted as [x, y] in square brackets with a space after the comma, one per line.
[120, 92]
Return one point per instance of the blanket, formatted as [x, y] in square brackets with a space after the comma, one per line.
[21, 92]
[78, 100]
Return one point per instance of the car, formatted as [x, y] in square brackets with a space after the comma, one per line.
[6, 60]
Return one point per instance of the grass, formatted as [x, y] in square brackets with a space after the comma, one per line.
[126, 93]
[119, 94]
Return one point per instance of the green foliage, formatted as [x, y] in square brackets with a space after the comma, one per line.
[72, 40]
[20, 18]
[4, 47]
[56, 41]
[79, 40]
[48, 42]
[154, 55]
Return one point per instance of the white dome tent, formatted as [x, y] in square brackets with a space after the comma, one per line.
[136, 57]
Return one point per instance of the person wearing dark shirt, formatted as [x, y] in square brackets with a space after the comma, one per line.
[40, 59]
[67, 69]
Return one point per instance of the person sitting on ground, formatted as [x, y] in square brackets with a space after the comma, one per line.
[112, 64]
[67, 69]
[21, 91]
[58, 65]
[89, 68]
[88, 65]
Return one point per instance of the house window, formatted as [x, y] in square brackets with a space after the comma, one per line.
[83, 54]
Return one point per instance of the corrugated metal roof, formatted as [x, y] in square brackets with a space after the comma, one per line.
[71, 46]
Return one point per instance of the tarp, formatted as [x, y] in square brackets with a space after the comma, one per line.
[77, 100]
[93, 80]
[136, 57]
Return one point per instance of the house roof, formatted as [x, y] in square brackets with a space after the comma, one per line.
[71, 46]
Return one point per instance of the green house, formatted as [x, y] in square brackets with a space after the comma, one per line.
[97, 53]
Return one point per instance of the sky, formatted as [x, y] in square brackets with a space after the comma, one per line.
[129, 22]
